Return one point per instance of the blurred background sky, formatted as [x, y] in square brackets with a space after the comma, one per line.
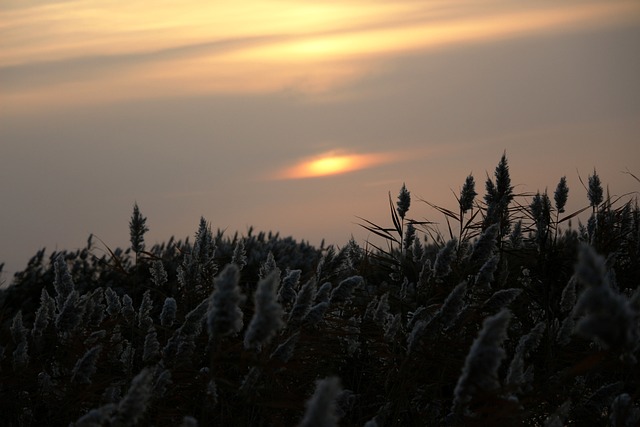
[298, 116]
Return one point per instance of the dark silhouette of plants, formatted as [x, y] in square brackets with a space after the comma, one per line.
[508, 316]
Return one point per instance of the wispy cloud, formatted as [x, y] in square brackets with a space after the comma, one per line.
[59, 71]
[87, 51]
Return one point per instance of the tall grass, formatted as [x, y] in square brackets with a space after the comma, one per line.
[507, 316]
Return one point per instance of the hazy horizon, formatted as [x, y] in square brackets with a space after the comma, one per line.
[297, 117]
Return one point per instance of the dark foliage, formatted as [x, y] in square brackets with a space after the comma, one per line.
[516, 318]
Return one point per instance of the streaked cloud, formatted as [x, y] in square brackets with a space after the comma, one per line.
[96, 51]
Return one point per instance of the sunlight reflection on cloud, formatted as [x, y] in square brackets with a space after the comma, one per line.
[334, 163]
[249, 48]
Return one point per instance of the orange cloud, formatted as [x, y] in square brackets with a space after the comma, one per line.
[334, 163]
[86, 51]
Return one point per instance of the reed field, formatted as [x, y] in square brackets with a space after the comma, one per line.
[509, 311]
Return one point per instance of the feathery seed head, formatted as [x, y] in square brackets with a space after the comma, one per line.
[594, 191]
[321, 407]
[127, 307]
[409, 236]
[86, 366]
[71, 314]
[444, 258]
[303, 302]
[452, 305]
[485, 275]
[380, 315]
[144, 313]
[239, 257]
[267, 319]
[18, 331]
[268, 266]
[287, 293]
[192, 325]
[168, 314]
[284, 352]
[63, 283]
[323, 292]
[224, 316]
[44, 314]
[113, 302]
[158, 274]
[342, 292]
[151, 349]
[404, 201]
[162, 382]
[561, 194]
[316, 313]
[467, 194]
[480, 372]
[133, 406]
[501, 299]
[485, 246]
[569, 297]
[608, 317]
[623, 412]
[137, 229]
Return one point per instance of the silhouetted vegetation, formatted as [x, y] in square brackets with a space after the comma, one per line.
[507, 316]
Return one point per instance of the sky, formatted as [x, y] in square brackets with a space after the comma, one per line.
[299, 117]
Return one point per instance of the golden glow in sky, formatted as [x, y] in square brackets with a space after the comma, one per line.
[333, 163]
[82, 52]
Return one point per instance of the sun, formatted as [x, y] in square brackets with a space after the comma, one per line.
[331, 163]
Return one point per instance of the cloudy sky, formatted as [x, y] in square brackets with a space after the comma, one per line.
[298, 116]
